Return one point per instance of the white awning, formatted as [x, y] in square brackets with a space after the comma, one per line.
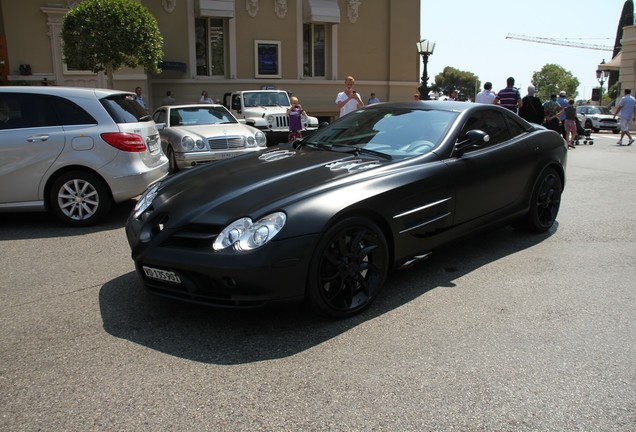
[216, 8]
[612, 65]
[321, 11]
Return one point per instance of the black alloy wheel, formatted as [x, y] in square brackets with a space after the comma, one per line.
[349, 267]
[545, 202]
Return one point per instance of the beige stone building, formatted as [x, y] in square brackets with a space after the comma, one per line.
[306, 47]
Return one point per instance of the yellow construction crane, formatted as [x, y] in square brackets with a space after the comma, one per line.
[562, 42]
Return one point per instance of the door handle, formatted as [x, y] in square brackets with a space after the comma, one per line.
[37, 138]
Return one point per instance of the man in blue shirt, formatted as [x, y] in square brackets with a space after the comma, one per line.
[563, 102]
[509, 97]
[626, 108]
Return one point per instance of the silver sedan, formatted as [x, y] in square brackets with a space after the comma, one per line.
[202, 133]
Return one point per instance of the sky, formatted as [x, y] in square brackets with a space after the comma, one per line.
[471, 37]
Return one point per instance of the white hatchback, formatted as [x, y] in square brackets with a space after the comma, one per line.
[75, 151]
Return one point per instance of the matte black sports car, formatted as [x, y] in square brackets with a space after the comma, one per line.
[325, 219]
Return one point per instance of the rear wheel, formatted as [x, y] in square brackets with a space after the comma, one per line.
[79, 198]
[348, 269]
[544, 204]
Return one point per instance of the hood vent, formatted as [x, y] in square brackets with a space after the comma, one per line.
[276, 155]
[352, 165]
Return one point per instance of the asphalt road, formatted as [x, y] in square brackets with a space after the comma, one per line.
[505, 332]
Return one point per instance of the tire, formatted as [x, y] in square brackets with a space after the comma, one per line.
[348, 269]
[79, 198]
[588, 124]
[544, 203]
[615, 132]
[172, 161]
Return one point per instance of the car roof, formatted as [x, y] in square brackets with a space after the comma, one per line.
[457, 106]
[64, 91]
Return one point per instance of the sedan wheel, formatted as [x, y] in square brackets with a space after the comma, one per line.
[79, 198]
[348, 269]
[545, 202]
[172, 161]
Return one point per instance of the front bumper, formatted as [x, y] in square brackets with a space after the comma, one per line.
[191, 159]
[606, 124]
[276, 272]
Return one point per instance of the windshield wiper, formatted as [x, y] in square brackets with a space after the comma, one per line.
[361, 150]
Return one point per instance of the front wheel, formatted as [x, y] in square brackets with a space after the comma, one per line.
[348, 269]
[172, 161]
[544, 203]
[79, 198]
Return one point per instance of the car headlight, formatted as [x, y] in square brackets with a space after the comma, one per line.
[258, 140]
[245, 235]
[187, 142]
[270, 119]
[145, 200]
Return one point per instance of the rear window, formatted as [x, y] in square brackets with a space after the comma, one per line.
[123, 109]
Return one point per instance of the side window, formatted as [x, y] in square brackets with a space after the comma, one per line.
[27, 111]
[491, 122]
[515, 127]
[160, 116]
[70, 113]
[10, 111]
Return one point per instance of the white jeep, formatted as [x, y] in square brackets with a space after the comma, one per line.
[267, 111]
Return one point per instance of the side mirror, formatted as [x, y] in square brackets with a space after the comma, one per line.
[474, 138]
[161, 126]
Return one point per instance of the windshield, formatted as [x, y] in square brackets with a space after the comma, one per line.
[194, 116]
[396, 132]
[254, 99]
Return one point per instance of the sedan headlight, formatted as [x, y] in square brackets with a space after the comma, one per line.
[187, 142]
[258, 140]
[245, 235]
[145, 200]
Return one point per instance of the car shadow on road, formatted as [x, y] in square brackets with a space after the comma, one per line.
[39, 225]
[229, 337]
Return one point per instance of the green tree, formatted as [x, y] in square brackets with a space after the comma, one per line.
[552, 79]
[626, 19]
[104, 35]
[466, 83]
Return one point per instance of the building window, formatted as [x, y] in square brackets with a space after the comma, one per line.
[267, 59]
[314, 50]
[210, 46]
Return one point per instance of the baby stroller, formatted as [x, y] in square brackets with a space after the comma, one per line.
[582, 134]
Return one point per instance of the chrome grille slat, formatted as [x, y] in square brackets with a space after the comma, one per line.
[226, 142]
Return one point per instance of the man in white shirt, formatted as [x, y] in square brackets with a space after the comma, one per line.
[627, 110]
[486, 96]
[348, 100]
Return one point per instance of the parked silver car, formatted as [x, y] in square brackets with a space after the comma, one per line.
[201, 133]
[597, 118]
[75, 151]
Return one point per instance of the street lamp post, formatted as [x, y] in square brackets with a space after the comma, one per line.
[425, 48]
[601, 76]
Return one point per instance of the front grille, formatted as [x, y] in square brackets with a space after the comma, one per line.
[281, 121]
[226, 142]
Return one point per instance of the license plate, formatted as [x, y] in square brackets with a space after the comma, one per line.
[225, 155]
[162, 275]
[153, 147]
